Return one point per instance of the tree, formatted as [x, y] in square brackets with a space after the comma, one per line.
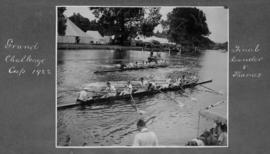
[93, 25]
[125, 23]
[61, 21]
[82, 22]
[151, 21]
[186, 24]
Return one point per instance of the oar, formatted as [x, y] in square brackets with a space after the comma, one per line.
[220, 93]
[214, 105]
[134, 104]
[191, 98]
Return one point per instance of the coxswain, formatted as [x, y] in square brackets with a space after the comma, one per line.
[128, 89]
[110, 90]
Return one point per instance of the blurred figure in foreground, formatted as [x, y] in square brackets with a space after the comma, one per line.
[144, 137]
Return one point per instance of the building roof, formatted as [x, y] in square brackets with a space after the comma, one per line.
[74, 30]
[94, 34]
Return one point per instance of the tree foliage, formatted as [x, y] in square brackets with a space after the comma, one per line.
[125, 23]
[61, 21]
[150, 22]
[82, 22]
[186, 24]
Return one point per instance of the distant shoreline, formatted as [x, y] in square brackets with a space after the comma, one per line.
[71, 46]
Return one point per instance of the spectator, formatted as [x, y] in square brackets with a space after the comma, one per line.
[144, 137]
[222, 134]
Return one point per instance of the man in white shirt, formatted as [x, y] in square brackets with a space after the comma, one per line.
[110, 90]
[222, 132]
[143, 83]
[127, 89]
[144, 137]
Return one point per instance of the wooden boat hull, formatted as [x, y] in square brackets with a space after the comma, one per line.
[138, 94]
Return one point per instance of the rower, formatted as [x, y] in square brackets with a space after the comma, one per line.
[194, 77]
[183, 80]
[151, 64]
[152, 86]
[146, 64]
[136, 64]
[140, 65]
[151, 54]
[152, 58]
[117, 65]
[161, 62]
[122, 66]
[110, 90]
[177, 82]
[83, 96]
[130, 65]
[128, 89]
[143, 83]
[167, 84]
[158, 55]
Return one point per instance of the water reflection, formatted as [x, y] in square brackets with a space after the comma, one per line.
[119, 55]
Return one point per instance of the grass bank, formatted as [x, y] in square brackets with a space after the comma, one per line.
[71, 46]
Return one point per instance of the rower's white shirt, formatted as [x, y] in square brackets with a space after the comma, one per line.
[168, 80]
[146, 64]
[144, 83]
[130, 65]
[153, 83]
[128, 89]
[145, 138]
[83, 96]
[111, 89]
[178, 81]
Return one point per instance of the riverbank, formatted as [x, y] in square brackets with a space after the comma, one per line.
[69, 46]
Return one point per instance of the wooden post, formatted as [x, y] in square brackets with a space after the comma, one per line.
[198, 129]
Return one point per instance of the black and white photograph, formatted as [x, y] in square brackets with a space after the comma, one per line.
[146, 76]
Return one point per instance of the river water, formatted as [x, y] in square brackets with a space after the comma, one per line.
[114, 124]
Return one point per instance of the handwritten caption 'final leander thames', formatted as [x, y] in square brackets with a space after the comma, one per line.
[246, 57]
[35, 64]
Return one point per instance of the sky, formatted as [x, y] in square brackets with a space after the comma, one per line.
[216, 18]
